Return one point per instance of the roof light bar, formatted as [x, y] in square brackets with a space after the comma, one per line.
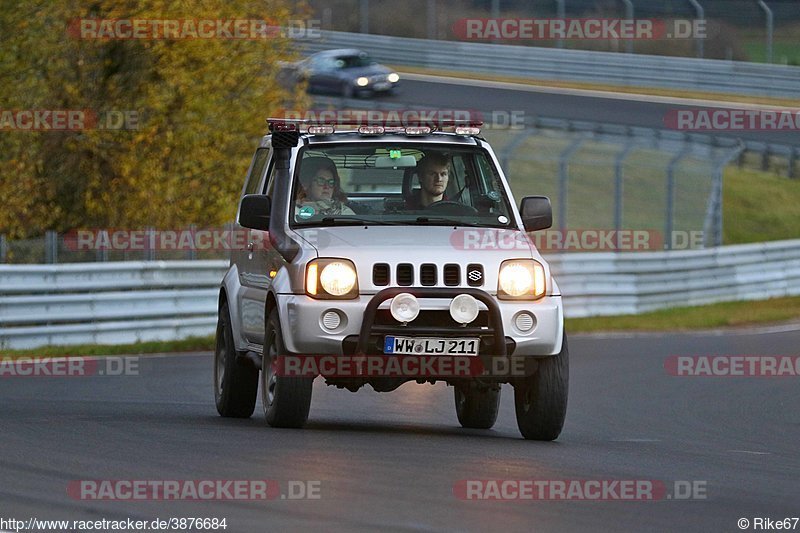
[371, 130]
[325, 129]
[418, 130]
[376, 127]
[467, 130]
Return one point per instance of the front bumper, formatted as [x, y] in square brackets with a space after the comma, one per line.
[305, 333]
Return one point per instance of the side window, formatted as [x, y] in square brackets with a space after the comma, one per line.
[254, 179]
[270, 179]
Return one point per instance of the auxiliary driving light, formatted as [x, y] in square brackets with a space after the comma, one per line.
[362, 81]
[464, 309]
[404, 307]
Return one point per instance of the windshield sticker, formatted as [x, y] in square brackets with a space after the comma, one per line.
[306, 212]
[502, 219]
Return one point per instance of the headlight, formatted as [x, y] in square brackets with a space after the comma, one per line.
[331, 278]
[362, 81]
[521, 279]
[393, 77]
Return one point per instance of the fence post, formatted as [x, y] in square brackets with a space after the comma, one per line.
[629, 16]
[364, 15]
[712, 227]
[505, 159]
[192, 252]
[792, 159]
[563, 171]
[150, 247]
[669, 223]
[101, 252]
[770, 27]
[619, 185]
[561, 9]
[50, 247]
[701, 15]
[3, 249]
[432, 19]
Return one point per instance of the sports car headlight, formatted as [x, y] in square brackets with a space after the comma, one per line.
[521, 279]
[331, 279]
[393, 77]
[362, 81]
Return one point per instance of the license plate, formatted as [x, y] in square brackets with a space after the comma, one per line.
[430, 346]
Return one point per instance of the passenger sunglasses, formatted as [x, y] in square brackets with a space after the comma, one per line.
[322, 181]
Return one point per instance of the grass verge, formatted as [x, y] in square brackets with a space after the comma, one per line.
[193, 344]
[728, 314]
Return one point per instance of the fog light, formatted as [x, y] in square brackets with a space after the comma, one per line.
[331, 320]
[524, 322]
[464, 309]
[404, 307]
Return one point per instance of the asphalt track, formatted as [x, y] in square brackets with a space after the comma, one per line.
[425, 92]
[390, 461]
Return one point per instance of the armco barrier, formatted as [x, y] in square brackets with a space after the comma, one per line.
[634, 70]
[118, 303]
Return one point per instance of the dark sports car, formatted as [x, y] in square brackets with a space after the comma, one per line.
[348, 72]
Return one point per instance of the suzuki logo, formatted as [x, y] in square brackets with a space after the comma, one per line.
[474, 275]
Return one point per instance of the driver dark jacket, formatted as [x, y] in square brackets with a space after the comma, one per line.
[414, 202]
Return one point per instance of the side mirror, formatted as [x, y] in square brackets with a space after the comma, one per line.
[254, 211]
[536, 212]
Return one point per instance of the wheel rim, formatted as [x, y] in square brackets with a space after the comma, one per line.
[220, 356]
[270, 379]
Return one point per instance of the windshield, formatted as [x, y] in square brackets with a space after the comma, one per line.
[353, 61]
[376, 184]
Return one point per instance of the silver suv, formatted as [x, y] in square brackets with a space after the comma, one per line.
[385, 253]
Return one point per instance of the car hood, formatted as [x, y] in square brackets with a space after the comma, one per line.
[417, 245]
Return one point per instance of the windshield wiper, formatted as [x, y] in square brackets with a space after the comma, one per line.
[450, 222]
[331, 219]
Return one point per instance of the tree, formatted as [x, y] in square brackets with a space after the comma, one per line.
[199, 106]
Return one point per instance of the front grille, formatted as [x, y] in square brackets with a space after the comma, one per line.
[405, 274]
[427, 275]
[452, 275]
[380, 274]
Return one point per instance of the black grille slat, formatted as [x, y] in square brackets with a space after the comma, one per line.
[427, 275]
[475, 275]
[405, 274]
[452, 275]
[380, 274]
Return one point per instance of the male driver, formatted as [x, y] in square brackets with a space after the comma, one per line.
[433, 171]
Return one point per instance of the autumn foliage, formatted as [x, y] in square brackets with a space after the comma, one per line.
[189, 112]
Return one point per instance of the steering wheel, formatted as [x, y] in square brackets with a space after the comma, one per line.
[456, 208]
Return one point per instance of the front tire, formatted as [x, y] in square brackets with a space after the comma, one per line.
[235, 380]
[477, 408]
[541, 399]
[286, 400]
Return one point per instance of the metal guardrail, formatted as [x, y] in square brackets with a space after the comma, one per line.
[119, 303]
[107, 303]
[630, 70]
